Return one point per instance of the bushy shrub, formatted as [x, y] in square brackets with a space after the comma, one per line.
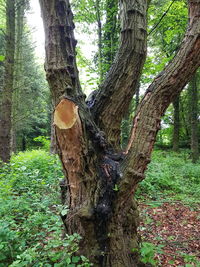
[43, 141]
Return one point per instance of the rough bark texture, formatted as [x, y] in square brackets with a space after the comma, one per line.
[99, 183]
[176, 129]
[163, 90]
[6, 103]
[115, 94]
[193, 108]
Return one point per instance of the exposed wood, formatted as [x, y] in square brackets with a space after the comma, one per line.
[65, 114]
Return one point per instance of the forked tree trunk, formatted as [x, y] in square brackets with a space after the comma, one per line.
[6, 103]
[100, 181]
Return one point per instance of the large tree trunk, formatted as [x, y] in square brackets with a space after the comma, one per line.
[193, 108]
[100, 181]
[6, 103]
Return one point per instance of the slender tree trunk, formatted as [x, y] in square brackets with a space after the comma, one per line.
[23, 142]
[99, 30]
[6, 104]
[184, 120]
[176, 130]
[111, 34]
[100, 182]
[193, 108]
[20, 7]
[137, 96]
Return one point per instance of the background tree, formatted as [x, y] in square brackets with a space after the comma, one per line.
[193, 110]
[176, 130]
[7, 91]
[88, 137]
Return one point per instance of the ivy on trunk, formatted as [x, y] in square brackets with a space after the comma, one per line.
[100, 180]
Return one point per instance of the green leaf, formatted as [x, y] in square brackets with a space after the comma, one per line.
[68, 260]
[75, 259]
[2, 58]
[64, 212]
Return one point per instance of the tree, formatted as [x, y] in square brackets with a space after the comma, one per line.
[176, 129]
[6, 102]
[193, 114]
[110, 34]
[100, 180]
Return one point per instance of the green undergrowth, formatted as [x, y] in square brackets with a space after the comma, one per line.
[30, 225]
[171, 175]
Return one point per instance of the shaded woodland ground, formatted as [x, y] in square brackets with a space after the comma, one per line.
[176, 237]
[30, 210]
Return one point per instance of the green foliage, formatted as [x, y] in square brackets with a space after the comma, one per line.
[44, 141]
[97, 19]
[172, 173]
[167, 24]
[148, 251]
[30, 225]
[31, 108]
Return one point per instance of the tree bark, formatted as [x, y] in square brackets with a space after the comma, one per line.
[6, 103]
[176, 130]
[193, 109]
[16, 101]
[115, 94]
[99, 182]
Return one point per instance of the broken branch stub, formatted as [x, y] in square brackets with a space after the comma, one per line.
[65, 114]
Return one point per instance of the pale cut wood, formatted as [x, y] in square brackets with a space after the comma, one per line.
[65, 114]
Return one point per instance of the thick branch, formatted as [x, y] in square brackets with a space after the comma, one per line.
[164, 89]
[116, 92]
[61, 69]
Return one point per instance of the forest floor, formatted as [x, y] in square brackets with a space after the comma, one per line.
[30, 208]
[174, 229]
